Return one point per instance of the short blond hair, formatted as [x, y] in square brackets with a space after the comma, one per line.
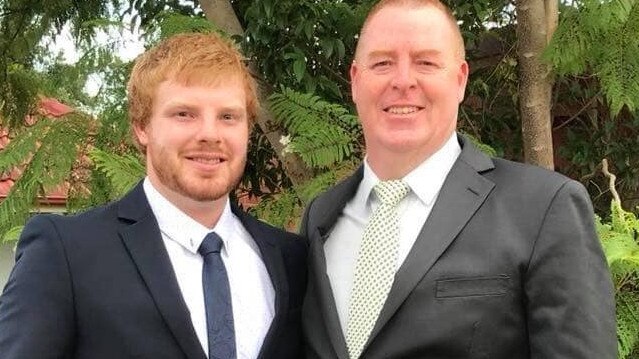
[190, 59]
[461, 51]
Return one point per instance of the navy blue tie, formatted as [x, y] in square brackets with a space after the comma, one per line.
[217, 299]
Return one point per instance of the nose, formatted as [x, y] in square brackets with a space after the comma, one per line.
[209, 129]
[404, 77]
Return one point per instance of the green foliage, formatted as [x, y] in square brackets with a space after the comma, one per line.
[146, 12]
[594, 135]
[124, 171]
[487, 149]
[281, 210]
[25, 142]
[321, 133]
[600, 37]
[12, 235]
[49, 152]
[284, 209]
[620, 243]
[171, 23]
[24, 25]
[304, 45]
[19, 94]
[328, 139]
[323, 181]
[627, 304]
[264, 174]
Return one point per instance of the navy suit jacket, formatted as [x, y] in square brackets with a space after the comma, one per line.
[101, 285]
[507, 266]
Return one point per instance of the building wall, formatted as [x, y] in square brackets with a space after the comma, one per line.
[6, 262]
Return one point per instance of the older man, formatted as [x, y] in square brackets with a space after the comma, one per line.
[432, 249]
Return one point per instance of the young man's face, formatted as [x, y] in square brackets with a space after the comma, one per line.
[408, 79]
[196, 139]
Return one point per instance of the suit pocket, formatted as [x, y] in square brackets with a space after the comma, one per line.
[472, 287]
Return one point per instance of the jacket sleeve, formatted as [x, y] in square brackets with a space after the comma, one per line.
[569, 294]
[36, 306]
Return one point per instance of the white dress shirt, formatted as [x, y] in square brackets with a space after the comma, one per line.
[252, 292]
[342, 246]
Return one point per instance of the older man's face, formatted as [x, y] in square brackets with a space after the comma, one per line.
[408, 79]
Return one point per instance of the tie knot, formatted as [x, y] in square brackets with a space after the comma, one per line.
[212, 243]
[391, 192]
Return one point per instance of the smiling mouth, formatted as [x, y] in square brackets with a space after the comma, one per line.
[402, 110]
[208, 160]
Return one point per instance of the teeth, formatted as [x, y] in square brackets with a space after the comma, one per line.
[206, 160]
[402, 110]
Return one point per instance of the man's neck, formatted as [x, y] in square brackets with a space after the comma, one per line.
[391, 165]
[207, 213]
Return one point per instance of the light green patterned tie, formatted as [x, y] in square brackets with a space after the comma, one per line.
[376, 265]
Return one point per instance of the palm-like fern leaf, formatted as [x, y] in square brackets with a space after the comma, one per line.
[600, 37]
[124, 171]
[321, 133]
[627, 324]
[622, 252]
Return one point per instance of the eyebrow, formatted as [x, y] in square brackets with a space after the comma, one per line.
[389, 53]
[194, 104]
[234, 109]
[179, 105]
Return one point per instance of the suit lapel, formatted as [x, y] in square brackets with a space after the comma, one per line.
[143, 240]
[274, 263]
[462, 194]
[326, 300]
[331, 212]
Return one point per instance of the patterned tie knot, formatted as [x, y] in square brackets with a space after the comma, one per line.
[391, 192]
[212, 243]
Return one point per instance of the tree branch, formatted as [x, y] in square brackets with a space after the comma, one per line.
[611, 181]
[576, 115]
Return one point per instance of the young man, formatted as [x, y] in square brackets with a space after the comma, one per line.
[172, 270]
[432, 249]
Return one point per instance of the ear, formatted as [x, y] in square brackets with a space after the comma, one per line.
[354, 80]
[141, 133]
[462, 80]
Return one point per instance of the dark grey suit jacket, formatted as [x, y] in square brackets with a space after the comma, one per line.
[508, 265]
[101, 285]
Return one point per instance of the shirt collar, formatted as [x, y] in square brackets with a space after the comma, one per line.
[182, 229]
[425, 180]
[428, 178]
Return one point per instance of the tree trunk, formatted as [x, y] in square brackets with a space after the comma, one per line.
[536, 21]
[221, 13]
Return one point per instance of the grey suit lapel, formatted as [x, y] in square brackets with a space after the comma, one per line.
[333, 203]
[463, 192]
[143, 240]
[325, 299]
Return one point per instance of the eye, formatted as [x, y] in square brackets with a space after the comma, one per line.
[182, 114]
[427, 64]
[228, 116]
[381, 64]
